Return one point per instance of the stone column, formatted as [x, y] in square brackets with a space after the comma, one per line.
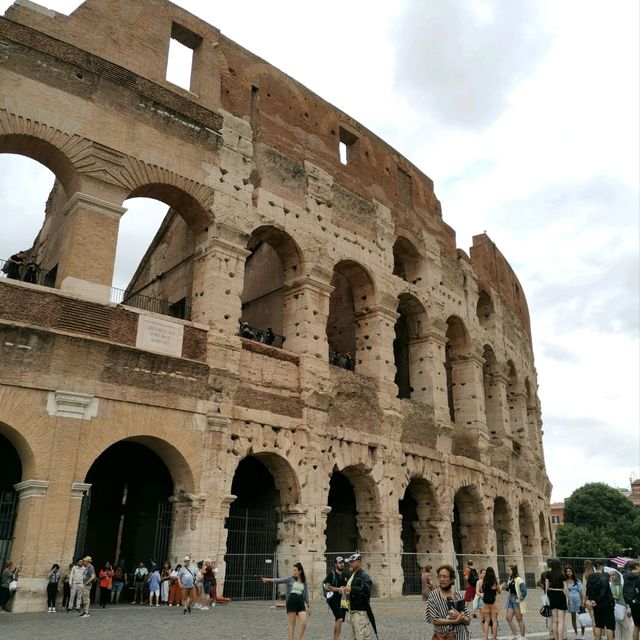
[187, 528]
[27, 543]
[375, 333]
[497, 407]
[305, 313]
[218, 279]
[87, 257]
[435, 342]
[518, 420]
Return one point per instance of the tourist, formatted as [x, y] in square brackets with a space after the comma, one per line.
[175, 595]
[631, 593]
[447, 610]
[588, 570]
[88, 578]
[207, 583]
[556, 587]
[516, 606]
[297, 599]
[186, 580]
[139, 580]
[198, 585]
[8, 576]
[574, 588]
[269, 336]
[105, 580]
[471, 580]
[154, 586]
[357, 595]
[13, 267]
[53, 583]
[489, 589]
[66, 589]
[165, 584]
[76, 585]
[246, 332]
[600, 599]
[332, 584]
[478, 602]
[425, 582]
[117, 584]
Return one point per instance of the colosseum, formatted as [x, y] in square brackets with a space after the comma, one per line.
[379, 395]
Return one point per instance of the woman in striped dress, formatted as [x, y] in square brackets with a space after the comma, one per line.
[446, 608]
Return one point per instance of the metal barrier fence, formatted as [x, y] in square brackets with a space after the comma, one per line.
[265, 336]
[177, 309]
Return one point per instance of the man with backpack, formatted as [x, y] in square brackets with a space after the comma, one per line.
[471, 577]
[631, 594]
[331, 585]
[600, 599]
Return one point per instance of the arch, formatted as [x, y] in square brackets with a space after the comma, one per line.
[528, 538]
[406, 260]
[365, 488]
[23, 449]
[407, 349]
[46, 153]
[493, 401]
[353, 295]
[502, 525]
[10, 474]
[192, 208]
[275, 260]
[125, 518]
[517, 407]
[468, 522]
[458, 344]
[284, 476]
[545, 541]
[342, 521]
[485, 309]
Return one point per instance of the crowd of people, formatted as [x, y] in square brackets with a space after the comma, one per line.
[20, 267]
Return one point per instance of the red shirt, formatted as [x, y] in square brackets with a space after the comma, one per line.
[105, 576]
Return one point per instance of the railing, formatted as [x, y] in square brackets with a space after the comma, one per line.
[27, 272]
[261, 335]
[177, 309]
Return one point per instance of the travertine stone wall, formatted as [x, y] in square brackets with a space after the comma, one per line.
[250, 157]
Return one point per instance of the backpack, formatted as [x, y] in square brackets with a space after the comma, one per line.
[473, 578]
[334, 582]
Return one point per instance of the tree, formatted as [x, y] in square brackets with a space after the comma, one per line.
[599, 521]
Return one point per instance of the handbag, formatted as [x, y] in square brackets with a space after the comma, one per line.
[13, 585]
[545, 612]
[620, 612]
[584, 619]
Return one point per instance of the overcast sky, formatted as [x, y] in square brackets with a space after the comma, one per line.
[525, 114]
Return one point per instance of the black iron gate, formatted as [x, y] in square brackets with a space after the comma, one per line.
[8, 512]
[83, 521]
[163, 532]
[251, 553]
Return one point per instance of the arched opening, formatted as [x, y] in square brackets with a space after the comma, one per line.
[517, 411]
[153, 267]
[545, 541]
[502, 528]
[528, 540]
[265, 487]
[418, 534]
[342, 524]
[492, 395]
[456, 347]
[29, 242]
[411, 374]
[406, 261]
[468, 526]
[10, 474]
[351, 299]
[485, 310]
[533, 433]
[126, 515]
[274, 261]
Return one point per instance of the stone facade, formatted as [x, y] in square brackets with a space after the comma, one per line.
[266, 224]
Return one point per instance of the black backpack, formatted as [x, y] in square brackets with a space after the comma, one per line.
[473, 578]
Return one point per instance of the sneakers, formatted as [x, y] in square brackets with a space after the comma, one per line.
[84, 615]
[185, 612]
[204, 608]
[49, 610]
[189, 610]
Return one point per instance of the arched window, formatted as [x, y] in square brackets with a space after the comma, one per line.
[485, 310]
[412, 377]
[456, 347]
[406, 261]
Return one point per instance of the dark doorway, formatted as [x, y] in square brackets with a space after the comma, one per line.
[10, 474]
[128, 518]
[342, 523]
[401, 357]
[252, 538]
[410, 567]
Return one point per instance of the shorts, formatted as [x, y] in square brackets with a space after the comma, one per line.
[512, 604]
[635, 613]
[295, 603]
[557, 599]
[206, 588]
[490, 609]
[117, 587]
[154, 592]
[339, 612]
[86, 593]
[188, 592]
[139, 585]
[604, 617]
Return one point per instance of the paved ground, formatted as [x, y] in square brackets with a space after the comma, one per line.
[398, 619]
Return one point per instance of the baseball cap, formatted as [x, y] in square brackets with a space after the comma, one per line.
[186, 558]
[599, 563]
[355, 556]
[339, 559]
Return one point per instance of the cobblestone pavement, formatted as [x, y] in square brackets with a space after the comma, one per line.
[398, 619]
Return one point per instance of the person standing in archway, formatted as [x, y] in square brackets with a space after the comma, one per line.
[76, 583]
[53, 583]
[105, 580]
[297, 599]
[88, 578]
[8, 575]
[187, 582]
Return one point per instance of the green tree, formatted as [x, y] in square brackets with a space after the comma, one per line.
[599, 521]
